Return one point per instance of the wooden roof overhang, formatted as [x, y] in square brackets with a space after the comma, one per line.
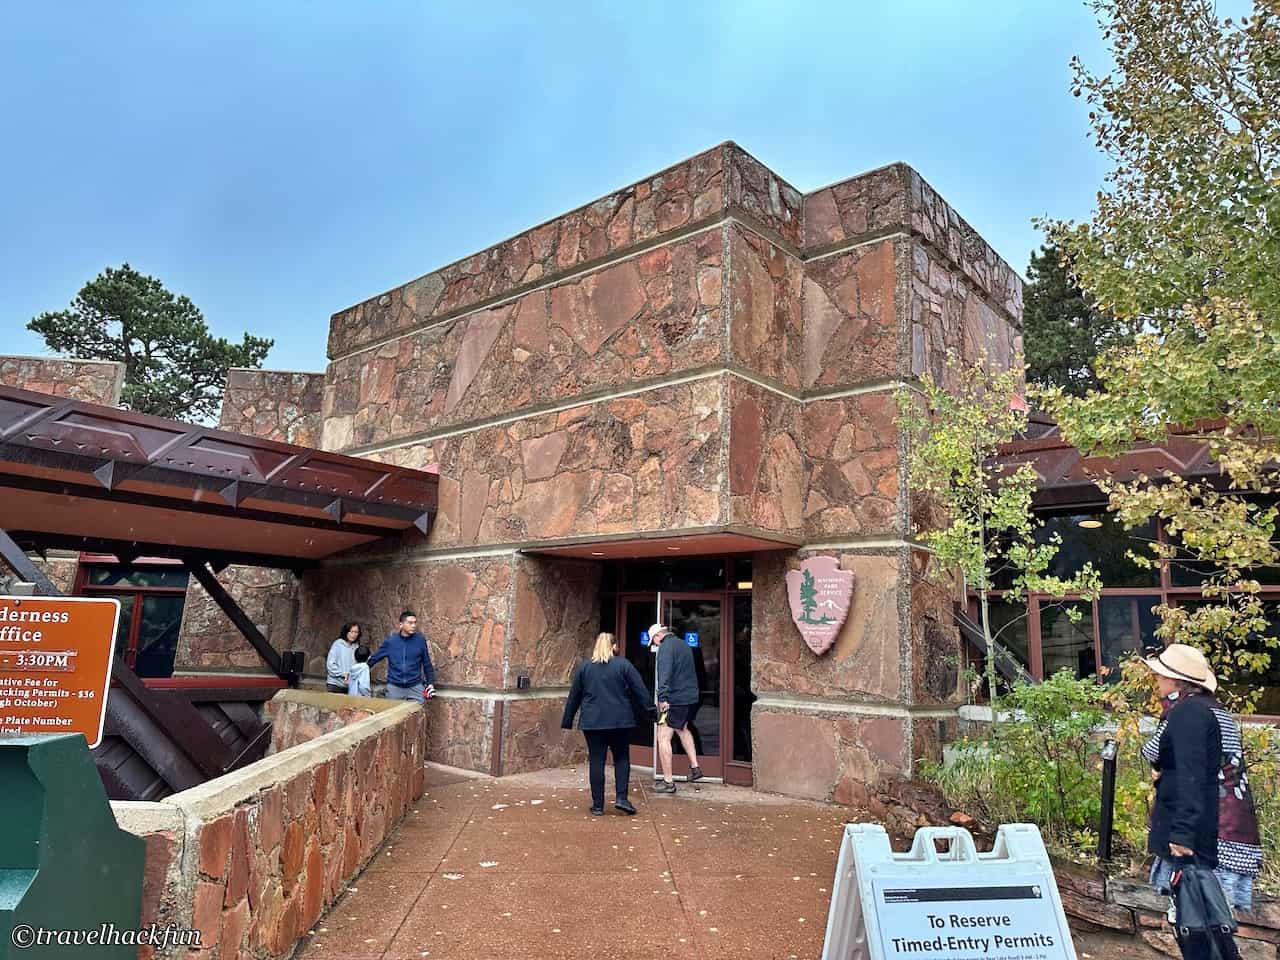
[77, 475]
[1066, 479]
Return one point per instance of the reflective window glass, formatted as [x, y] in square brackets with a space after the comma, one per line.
[1066, 645]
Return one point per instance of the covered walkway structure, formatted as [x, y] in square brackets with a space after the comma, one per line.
[81, 476]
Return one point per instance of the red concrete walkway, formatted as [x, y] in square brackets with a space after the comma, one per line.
[515, 869]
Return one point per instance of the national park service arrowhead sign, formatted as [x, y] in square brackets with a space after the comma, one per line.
[820, 594]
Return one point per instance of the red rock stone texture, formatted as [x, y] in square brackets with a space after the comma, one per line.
[208, 640]
[648, 316]
[851, 321]
[266, 868]
[463, 608]
[460, 732]
[557, 612]
[532, 738]
[274, 404]
[852, 466]
[686, 194]
[866, 661]
[897, 199]
[93, 381]
[294, 723]
[826, 756]
[767, 468]
[949, 319]
[640, 463]
[935, 644]
[762, 195]
[765, 284]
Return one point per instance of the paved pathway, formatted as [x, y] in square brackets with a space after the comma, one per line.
[515, 869]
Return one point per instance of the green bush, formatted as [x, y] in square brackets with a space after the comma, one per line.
[1041, 766]
[1044, 766]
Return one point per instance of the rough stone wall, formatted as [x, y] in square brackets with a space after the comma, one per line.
[93, 381]
[653, 315]
[708, 349]
[274, 404]
[650, 461]
[675, 200]
[894, 284]
[252, 859]
[463, 608]
[207, 640]
[765, 288]
[852, 330]
[298, 720]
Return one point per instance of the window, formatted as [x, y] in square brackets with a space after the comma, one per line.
[1122, 621]
[1009, 627]
[1126, 624]
[1105, 545]
[1066, 645]
[152, 596]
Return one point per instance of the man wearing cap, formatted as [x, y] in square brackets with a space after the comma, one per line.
[677, 701]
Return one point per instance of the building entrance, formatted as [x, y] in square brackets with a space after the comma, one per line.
[716, 624]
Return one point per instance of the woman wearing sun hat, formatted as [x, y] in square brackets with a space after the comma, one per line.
[1203, 810]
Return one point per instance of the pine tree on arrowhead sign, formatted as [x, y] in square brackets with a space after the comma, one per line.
[174, 367]
[808, 597]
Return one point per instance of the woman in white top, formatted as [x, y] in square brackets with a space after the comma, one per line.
[342, 654]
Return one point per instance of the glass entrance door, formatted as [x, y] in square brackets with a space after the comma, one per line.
[696, 620]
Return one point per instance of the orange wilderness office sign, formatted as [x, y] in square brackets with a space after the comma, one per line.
[55, 664]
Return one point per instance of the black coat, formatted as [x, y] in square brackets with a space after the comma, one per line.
[612, 696]
[1186, 808]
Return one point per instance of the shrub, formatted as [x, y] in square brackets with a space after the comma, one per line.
[1043, 766]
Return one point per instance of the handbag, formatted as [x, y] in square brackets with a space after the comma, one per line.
[1199, 904]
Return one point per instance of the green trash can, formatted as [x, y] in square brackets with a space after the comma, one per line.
[65, 866]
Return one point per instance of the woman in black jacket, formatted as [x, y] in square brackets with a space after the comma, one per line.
[1188, 765]
[612, 697]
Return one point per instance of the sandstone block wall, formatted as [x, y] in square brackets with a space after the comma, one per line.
[93, 381]
[708, 350]
[253, 858]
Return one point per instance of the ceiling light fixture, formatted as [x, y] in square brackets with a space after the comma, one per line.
[744, 584]
[1091, 523]
[673, 549]
[596, 553]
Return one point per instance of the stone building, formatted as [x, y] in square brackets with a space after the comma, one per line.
[654, 407]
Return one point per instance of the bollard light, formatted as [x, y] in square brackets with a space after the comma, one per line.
[1107, 814]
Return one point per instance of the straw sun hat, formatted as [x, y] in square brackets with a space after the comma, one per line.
[1181, 662]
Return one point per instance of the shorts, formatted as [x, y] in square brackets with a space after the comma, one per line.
[405, 693]
[680, 715]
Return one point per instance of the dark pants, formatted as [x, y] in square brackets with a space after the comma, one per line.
[617, 742]
[334, 688]
[1197, 946]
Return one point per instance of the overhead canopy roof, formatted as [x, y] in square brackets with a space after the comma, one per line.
[1065, 478]
[84, 476]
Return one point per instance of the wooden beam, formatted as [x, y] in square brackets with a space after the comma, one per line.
[227, 604]
[21, 564]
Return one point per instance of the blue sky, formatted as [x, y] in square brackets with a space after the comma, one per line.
[278, 162]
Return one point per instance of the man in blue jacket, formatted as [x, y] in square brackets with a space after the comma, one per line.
[410, 675]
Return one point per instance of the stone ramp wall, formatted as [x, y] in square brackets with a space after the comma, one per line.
[252, 859]
[1132, 907]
